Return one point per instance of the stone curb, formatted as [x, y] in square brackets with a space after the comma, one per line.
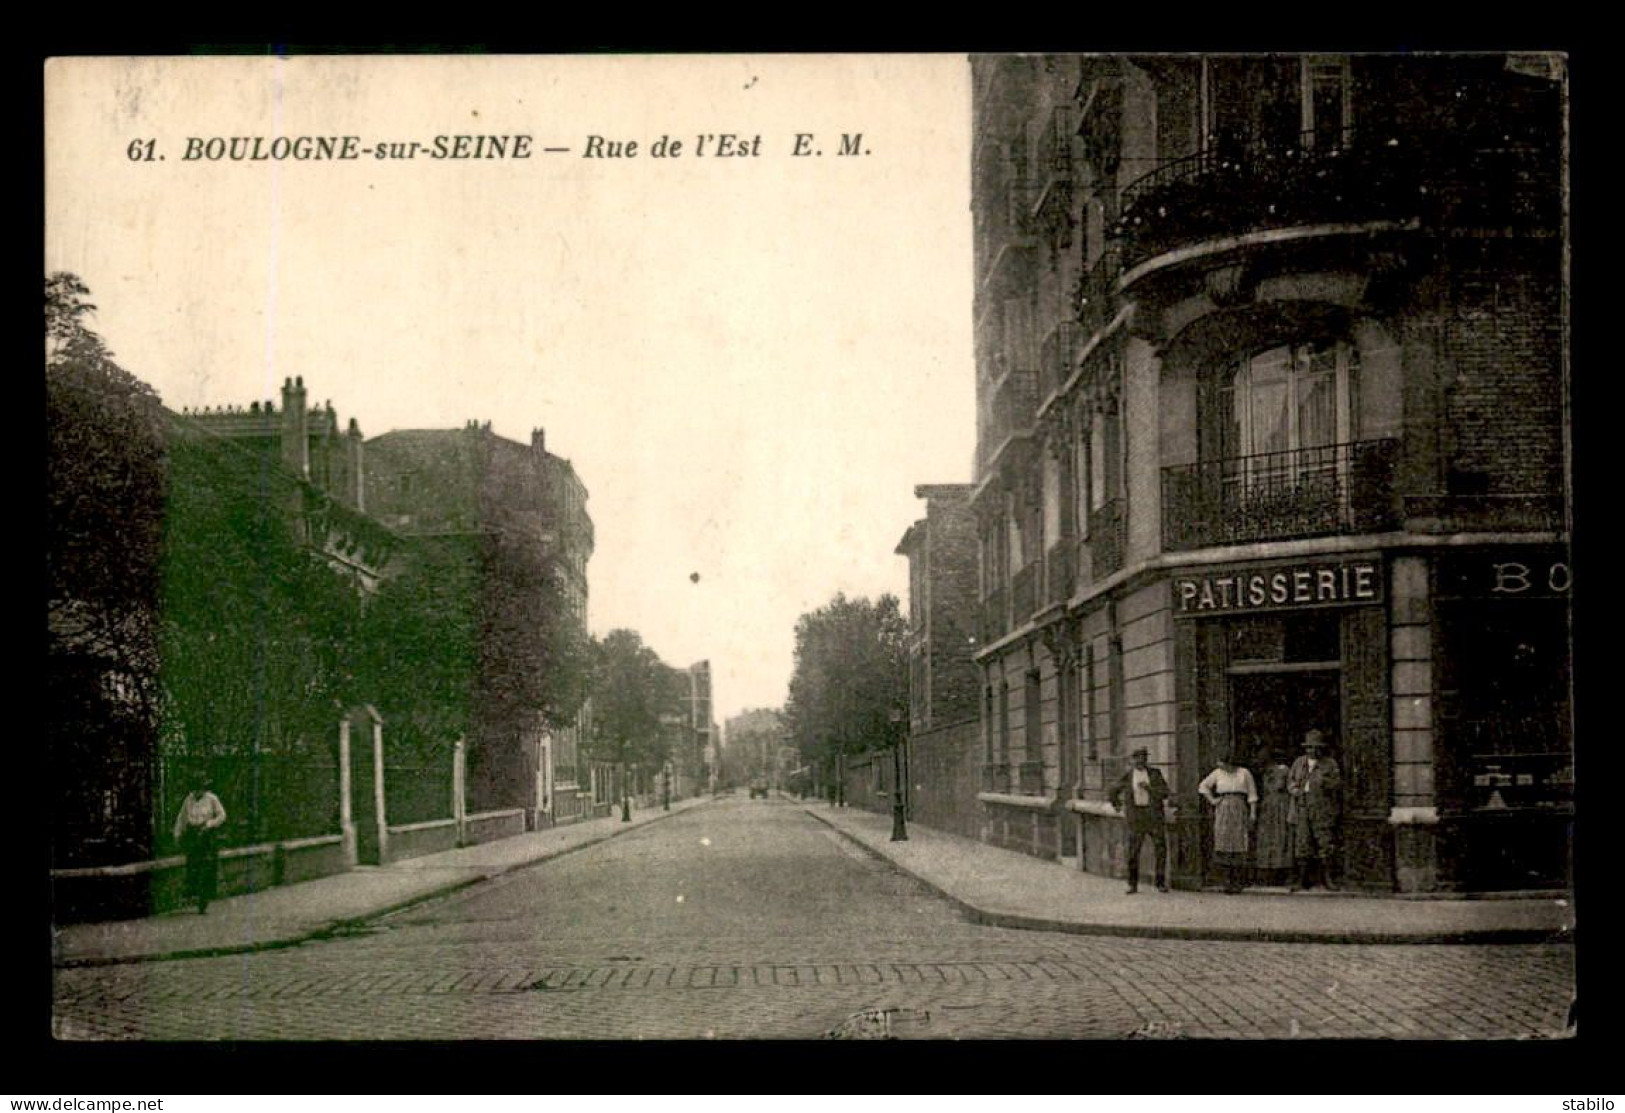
[1023, 922]
[335, 928]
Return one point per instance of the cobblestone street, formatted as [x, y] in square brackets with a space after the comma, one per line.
[750, 919]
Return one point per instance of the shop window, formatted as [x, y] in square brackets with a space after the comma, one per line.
[1504, 681]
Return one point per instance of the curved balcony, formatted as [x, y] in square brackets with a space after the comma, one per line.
[1442, 181]
[1311, 492]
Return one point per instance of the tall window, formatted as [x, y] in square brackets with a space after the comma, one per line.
[1032, 740]
[1292, 399]
[1325, 100]
[1084, 486]
[1003, 755]
[1052, 498]
[1210, 102]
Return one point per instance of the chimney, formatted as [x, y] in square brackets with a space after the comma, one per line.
[358, 486]
[538, 440]
[295, 432]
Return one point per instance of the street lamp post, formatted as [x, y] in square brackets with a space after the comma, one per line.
[899, 817]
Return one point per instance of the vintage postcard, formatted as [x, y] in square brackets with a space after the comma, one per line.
[800, 546]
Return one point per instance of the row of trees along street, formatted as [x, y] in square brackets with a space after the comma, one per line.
[849, 688]
[197, 621]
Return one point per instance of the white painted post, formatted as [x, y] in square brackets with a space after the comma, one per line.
[346, 814]
[459, 790]
[378, 785]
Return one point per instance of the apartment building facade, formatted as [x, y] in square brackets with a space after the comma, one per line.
[1271, 393]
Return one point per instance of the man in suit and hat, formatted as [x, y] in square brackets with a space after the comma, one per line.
[1140, 794]
[1315, 788]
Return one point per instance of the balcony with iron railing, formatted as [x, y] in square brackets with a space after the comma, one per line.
[996, 777]
[1441, 179]
[1309, 492]
[1095, 300]
[1055, 358]
[1030, 778]
[1053, 215]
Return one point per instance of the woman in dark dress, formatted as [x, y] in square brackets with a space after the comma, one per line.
[1272, 854]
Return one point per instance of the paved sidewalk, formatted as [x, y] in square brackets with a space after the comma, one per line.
[1009, 889]
[290, 914]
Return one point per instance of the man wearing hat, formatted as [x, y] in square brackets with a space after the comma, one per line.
[1140, 794]
[1315, 787]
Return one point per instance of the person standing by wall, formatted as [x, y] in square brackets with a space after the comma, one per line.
[1316, 787]
[1234, 796]
[1141, 794]
[1272, 851]
[197, 830]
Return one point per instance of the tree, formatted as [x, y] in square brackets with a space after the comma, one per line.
[851, 676]
[631, 689]
[259, 636]
[106, 471]
[754, 738]
[420, 646]
[535, 658]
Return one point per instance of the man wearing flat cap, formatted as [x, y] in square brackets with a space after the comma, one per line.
[1141, 794]
[1315, 789]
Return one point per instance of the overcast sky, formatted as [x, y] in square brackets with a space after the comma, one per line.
[751, 360]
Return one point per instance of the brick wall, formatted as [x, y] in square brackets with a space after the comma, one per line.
[1503, 395]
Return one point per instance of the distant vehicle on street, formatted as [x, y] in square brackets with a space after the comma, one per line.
[758, 787]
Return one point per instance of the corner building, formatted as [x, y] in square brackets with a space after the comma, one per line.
[1271, 437]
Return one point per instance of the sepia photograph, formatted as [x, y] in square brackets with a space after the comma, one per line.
[764, 547]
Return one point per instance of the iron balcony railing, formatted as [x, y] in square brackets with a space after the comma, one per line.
[996, 777]
[1030, 778]
[1234, 187]
[1309, 492]
[1096, 296]
[1059, 349]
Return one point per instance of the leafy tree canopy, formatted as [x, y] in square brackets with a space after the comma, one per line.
[632, 689]
[850, 677]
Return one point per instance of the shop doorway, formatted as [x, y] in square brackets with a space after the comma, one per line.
[1272, 711]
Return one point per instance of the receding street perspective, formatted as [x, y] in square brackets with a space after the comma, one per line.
[809, 547]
